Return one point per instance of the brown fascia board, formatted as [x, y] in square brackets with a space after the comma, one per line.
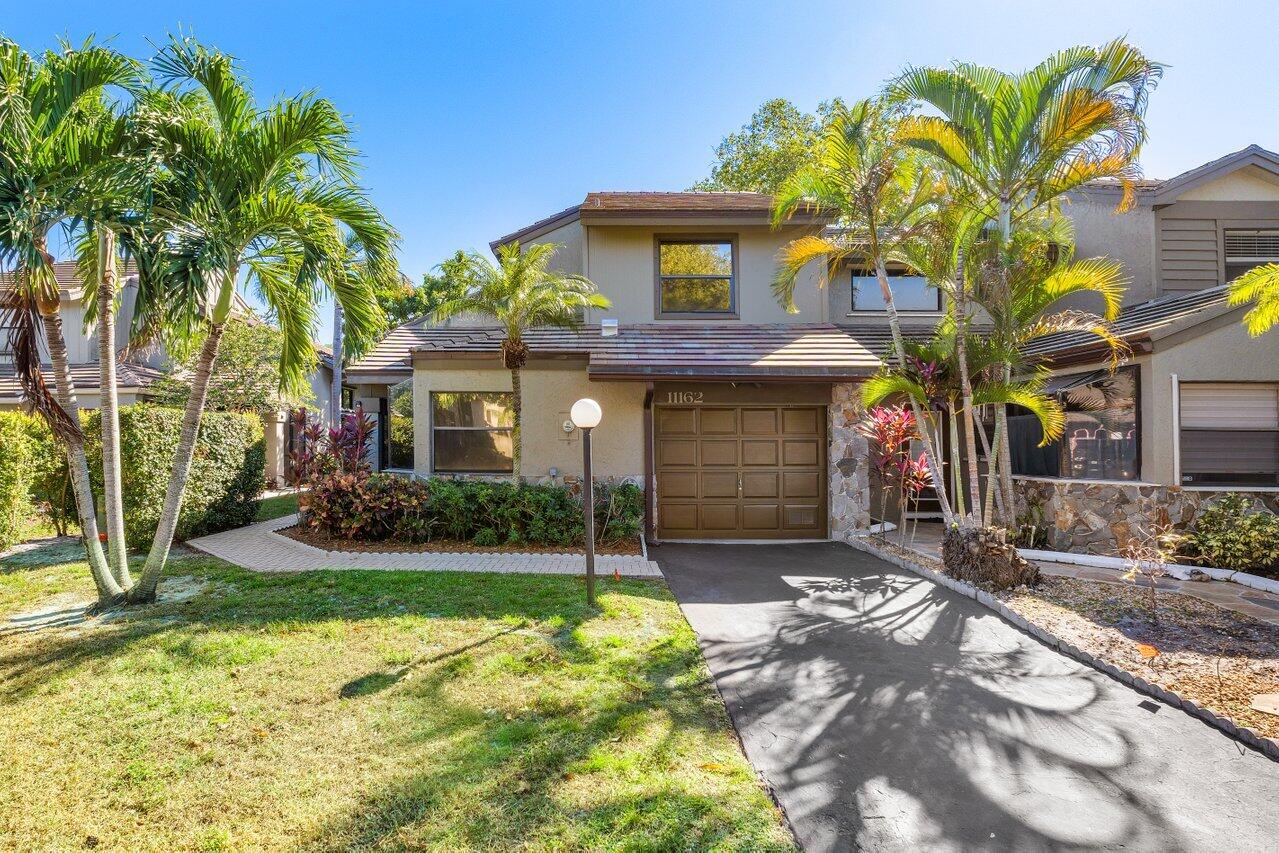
[712, 217]
[728, 374]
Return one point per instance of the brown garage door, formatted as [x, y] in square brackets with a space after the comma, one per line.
[741, 472]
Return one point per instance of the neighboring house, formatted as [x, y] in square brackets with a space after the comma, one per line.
[135, 373]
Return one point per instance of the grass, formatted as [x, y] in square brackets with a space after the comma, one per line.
[276, 507]
[369, 710]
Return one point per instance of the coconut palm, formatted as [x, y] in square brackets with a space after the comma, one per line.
[521, 292]
[56, 131]
[262, 195]
[1017, 142]
[882, 197]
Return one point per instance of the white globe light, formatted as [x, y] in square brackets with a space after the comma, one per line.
[586, 413]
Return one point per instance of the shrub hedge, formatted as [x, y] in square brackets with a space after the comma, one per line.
[16, 462]
[1230, 534]
[384, 506]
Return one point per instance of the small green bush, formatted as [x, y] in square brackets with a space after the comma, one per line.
[1231, 535]
[385, 506]
[16, 462]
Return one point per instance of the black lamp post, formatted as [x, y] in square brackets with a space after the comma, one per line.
[586, 415]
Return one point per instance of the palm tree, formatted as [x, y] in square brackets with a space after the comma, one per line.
[56, 131]
[883, 197]
[359, 272]
[521, 292]
[263, 194]
[1017, 142]
[1259, 286]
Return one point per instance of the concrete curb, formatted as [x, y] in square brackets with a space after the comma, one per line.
[1177, 570]
[1268, 747]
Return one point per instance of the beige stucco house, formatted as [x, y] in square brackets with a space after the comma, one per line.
[738, 416]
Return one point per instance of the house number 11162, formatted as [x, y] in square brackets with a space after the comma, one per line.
[684, 397]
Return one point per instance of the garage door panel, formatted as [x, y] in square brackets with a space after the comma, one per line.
[679, 517]
[759, 421]
[719, 422]
[718, 452]
[759, 452]
[678, 484]
[800, 452]
[719, 517]
[719, 484]
[800, 421]
[801, 517]
[760, 484]
[801, 484]
[761, 517]
[677, 422]
[677, 451]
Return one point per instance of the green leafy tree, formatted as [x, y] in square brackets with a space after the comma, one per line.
[778, 141]
[521, 292]
[266, 194]
[402, 301]
[58, 133]
[246, 376]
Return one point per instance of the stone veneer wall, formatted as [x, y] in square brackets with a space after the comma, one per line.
[848, 464]
[1102, 517]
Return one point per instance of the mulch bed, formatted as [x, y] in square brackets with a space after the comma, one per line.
[442, 546]
[1216, 657]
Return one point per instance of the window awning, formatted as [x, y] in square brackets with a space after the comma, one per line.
[1061, 384]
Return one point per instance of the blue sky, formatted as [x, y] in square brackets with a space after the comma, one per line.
[476, 119]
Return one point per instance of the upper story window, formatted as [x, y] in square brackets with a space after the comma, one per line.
[1248, 248]
[696, 277]
[910, 292]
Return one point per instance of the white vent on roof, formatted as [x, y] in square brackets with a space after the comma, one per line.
[608, 328]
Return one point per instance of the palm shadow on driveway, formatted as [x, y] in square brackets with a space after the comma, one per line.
[889, 713]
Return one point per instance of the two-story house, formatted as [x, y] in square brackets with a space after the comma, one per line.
[738, 416]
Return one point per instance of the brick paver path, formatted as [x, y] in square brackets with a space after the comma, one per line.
[260, 548]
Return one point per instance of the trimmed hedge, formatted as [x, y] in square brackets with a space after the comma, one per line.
[17, 455]
[383, 506]
[227, 475]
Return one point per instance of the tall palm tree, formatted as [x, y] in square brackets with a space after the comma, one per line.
[521, 292]
[259, 194]
[883, 197]
[56, 130]
[1017, 142]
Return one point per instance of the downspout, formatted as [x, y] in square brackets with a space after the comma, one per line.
[1176, 430]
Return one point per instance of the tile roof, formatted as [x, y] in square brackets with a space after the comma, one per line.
[659, 350]
[85, 377]
[1139, 322]
[68, 280]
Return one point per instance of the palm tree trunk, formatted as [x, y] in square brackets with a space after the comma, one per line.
[1005, 456]
[144, 590]
[516, 408]
[993, 496]
[335, 390]
[956, 483]
[966, 385]
[894, 325]
[109, 589]
[109, 405]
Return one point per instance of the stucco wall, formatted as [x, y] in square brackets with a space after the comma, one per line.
[1126, 237]
[621, 262]
[548, 394]
[569, 238]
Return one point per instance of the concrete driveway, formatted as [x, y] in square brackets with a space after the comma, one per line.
[889, 713]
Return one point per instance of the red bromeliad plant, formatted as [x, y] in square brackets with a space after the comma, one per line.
[348, 443]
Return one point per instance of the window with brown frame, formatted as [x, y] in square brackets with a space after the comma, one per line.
[471, 432]
[696, 277]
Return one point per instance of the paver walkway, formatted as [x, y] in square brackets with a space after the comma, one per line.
[889, 713]
[1232, 596]
[260, 548]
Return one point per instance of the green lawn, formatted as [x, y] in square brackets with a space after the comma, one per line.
[369, 710]
[276, 507]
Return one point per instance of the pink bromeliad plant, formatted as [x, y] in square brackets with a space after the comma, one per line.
[890, 431]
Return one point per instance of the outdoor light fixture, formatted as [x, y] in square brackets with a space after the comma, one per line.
[586, 415]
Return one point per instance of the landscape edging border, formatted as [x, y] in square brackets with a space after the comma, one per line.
[1269, 747]
[1101, 561]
